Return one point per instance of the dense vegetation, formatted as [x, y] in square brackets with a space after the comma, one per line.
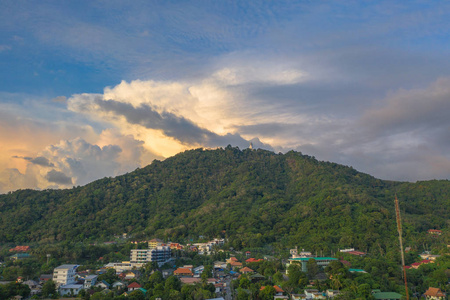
[253, 197]
[257, 200]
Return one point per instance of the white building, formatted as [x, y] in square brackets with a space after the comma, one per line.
[160, 254]
[121, 267]
[70, 289]
[64, 274]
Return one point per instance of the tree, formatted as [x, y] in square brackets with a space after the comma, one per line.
[172, 283]
[267, 293]
[49, 289]
[312, 268]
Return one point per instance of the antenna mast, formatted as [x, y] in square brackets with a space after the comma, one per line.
[399, 229]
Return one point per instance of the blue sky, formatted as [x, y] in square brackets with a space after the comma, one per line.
[97, 88]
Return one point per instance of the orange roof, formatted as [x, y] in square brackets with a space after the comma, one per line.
[20, 248]
[233, 258]
[134, 285]
[246, 270]
[182, 271]
[235, 264]
[250, 260]
[276, 287]
[434, 292]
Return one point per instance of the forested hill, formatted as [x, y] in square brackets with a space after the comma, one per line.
[253, 197]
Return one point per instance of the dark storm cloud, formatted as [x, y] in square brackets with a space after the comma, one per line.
[58, 177]
[41, 161]
[172, 125]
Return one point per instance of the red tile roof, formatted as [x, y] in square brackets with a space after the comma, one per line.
[251, 260]
[134, 285]
[246, 270]
[276, 287]
[20, 249]
[182, 271]
[434, 292]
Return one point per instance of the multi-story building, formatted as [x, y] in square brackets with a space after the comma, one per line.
[160, 254]
[64, 274]
[154, 243]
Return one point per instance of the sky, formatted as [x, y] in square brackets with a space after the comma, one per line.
[93, 89]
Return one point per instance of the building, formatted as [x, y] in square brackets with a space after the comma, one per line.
[321, 261]
[121, 267]
[134, 286]
[64, 274]
[183, 272]
[90, 281]
[160, 254]
[154, 243]
[434, 294]
[70, 289]
[434, 231]
[19, 256]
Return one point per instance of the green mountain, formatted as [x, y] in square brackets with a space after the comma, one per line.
[253, 197]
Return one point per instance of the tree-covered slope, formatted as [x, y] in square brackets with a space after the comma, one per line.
[254, 197]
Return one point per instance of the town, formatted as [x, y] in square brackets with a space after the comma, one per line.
[209, 270]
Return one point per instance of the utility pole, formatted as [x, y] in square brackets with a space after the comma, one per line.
[399, 229]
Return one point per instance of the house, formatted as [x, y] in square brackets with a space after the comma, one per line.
[70, 289]
[434, 294]
[220, 265]
[314, 294]
[124, 266]
[231, 259]
[198, 270]
[103, 284]
[278, 291]
[45, 277]
[176, 246]
[434, 231]
[246, 270]
[34, 286]
[429, 256]
[118, 284]
[247, 254]
[90, 281]
[131, 275]
[332, 293]
[134, 286]
[64, 274]
[183, 272]
[236, 264]
[219, 287]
